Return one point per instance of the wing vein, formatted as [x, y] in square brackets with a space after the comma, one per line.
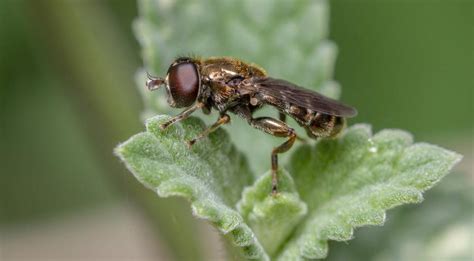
[285, 92]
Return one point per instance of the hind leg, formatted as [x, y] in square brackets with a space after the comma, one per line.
[279, 129]
[274, 127]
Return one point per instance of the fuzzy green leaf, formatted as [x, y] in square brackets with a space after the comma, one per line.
[334, 186]
[211, 175]
[440, 229]
[350, 182]
[272, 218]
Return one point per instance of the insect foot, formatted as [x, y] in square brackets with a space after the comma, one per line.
[190, 143]
[274, 190]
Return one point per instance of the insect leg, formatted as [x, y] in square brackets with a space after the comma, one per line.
[279, 129]
[183, 115]
[223, 119]
[282, 116]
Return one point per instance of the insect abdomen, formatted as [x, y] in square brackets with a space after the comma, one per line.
[325, 126]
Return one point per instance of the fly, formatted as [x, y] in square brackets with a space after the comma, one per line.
[230, 85]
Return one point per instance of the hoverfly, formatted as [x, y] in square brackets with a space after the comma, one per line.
[230, 85]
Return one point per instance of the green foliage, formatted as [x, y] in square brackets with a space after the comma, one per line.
[272, 218]
[439, 229]
[326, 189]
[335, 185]
[211, 175]
[350, 182]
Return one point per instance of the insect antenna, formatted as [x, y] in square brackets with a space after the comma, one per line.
[153, 82]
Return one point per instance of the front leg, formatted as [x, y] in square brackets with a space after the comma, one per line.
[183, 115]
[223, 119]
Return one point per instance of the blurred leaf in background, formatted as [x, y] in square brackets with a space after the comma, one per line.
[49, 164]
[67, 99]
[407, 64]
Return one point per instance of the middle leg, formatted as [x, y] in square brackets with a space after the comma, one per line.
[282, 116]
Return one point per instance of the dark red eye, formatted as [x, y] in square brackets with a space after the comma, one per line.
[183, 79]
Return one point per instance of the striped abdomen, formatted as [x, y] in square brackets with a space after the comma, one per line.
[324, 125]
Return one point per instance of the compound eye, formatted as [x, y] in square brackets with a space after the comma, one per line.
[183, 80]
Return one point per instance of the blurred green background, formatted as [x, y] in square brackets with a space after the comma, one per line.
[67, 97]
